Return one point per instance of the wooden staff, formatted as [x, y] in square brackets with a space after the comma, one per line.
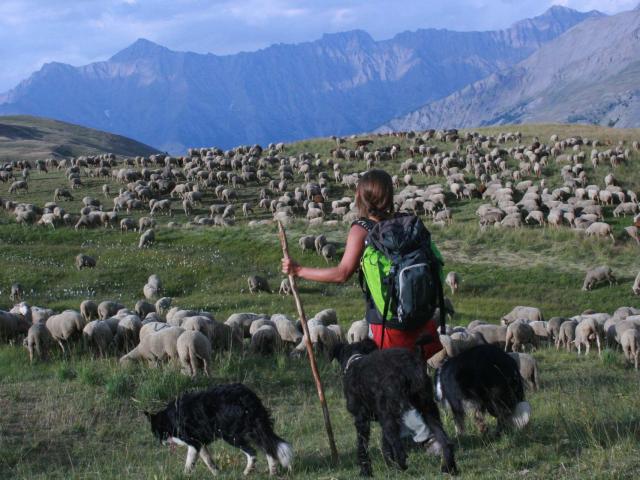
[312, 357]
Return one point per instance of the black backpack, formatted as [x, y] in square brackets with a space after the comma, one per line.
[401, 274]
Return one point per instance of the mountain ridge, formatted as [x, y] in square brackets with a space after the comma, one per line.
[342, 83]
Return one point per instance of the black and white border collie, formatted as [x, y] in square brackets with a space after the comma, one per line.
[393, 388]
[231, 412]
[483, 379]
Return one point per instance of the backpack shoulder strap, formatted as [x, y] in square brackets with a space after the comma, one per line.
[364, 223]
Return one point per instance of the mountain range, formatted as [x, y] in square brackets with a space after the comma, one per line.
[340, 84]
[590, 74]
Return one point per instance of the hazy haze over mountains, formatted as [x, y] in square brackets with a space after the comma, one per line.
[590, 74]
[342, 83]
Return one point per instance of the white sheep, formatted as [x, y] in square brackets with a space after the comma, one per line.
[566, 335]
[600, 229]
[89, 310]
[492, 334]
[286, 328]
[636, 285]
[519, 334]
[630, 343]
[194, 349]
[98, 334]
[522, 313]
[108, 309]
[156, 347]
[127, 332]
[528, 369]
[38, 340]
[597, 275]
[265, 341]
[358, 331]
[453, 282]
[587, 331]
[64, 326]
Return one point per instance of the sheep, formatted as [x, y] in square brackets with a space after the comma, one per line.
[89, 310]
[492, 334]
[630, 343]
[224, 337]
[286, 328]
[600, 229]
[329, 252]
[147, 238]
[16, 293]
[199, 323]
[40, 315]
[97, 333]
[127, 224]
[175, 316]
[265, 341]
[636, 285]
[108, 309]
[9, 325]
[632, 231]
[19, 185]
[596, 275]
[566, 335]
[143, 308]
[519, 334]
[522, 313]
[243, 321]
[320, 242]
[38, 340]
[587, 331]
[326, 317]
[553, 326]
[307, 243]
[163, 305]
[453, 281]
[257, 284]
[528, 369]
[85, 261]
[64, 326]
[151, 327]
[156, 347]
[194, 349]
[285, 287]
[149, 291]
[127, 332]
[475, 323]
[458, 342]
[358, 331]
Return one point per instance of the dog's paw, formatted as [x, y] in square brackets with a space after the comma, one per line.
[366, 471]
[451, 469]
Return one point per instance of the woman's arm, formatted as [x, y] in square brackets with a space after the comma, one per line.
[339, 274]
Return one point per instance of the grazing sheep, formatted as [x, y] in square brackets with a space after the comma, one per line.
[358, 331]
[522, 313]
[586, 332]
[108, 309]
[243, 321]
[329, 252]
[156, 347]
[98, 334]
[89, 310]
[566, 335]
[597, 275]
[636, 285]
[85, 261]
[492, 334]
[519, 334]
[528, 369]
[553, 327]
[38, 340]
[199, 323]
[143, 308]
[151, 327]
[307, 243]
[257, 284]
[194, 349]
[225, 337]
[17, 293]
[163, 305]
[65, 326]
[285, 287]
[320, 242]
[326, 317]
[458, 342]
[128, 332]
[453, 281]
[600, 229]
[630, 343]
[154, 281]
[149, 291]
[265, 341]
[475, 323]
[286, 328]
[541, 331]
[147, 238]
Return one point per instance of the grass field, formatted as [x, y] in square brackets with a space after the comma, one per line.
[80, 417]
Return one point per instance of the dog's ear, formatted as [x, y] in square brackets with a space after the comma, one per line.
[336, 352]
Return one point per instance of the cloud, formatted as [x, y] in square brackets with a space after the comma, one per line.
[78, 32]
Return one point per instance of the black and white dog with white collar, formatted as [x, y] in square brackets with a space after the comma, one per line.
[393, 388]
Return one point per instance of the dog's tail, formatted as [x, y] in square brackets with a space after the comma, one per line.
[285, 454]
[521, 415]
[273, 445]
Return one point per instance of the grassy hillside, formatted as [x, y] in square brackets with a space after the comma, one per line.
[80, 417]
[24, 137]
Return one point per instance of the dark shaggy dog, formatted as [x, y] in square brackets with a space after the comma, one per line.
[487, 380]
[231, 412]
[391, 387]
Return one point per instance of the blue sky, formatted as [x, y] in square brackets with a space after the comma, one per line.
[33, 32]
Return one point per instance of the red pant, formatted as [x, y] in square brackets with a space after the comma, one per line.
[394, 338]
